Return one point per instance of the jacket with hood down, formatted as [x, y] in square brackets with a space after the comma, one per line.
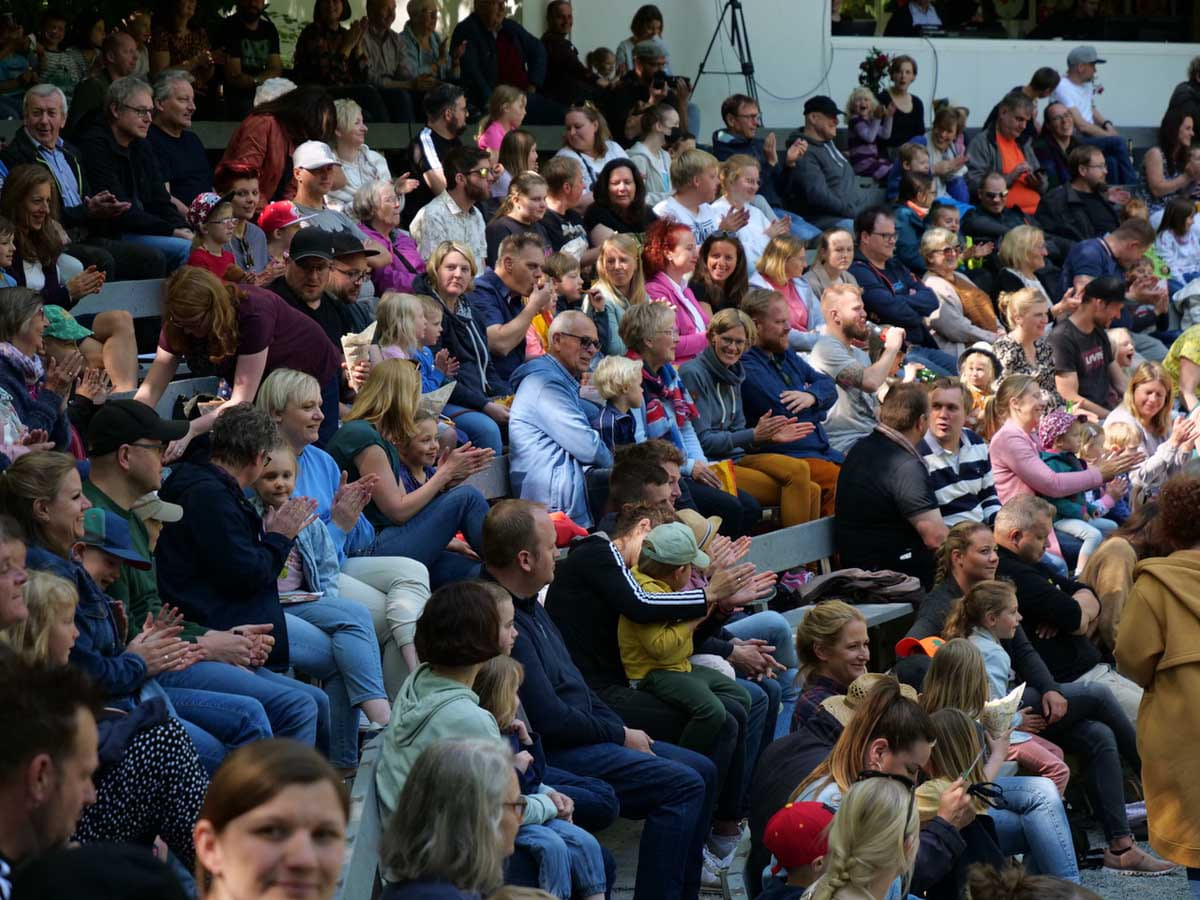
[431, 708]
[717, 392]
[1158, 647]
[550, 440]
[767, 376]
[217, 564]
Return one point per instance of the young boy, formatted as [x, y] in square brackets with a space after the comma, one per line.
[618, 379]
[562, 223]
[238, 183]
[280, 221]
[695, 180]
[655, 655]
[909, 158]
[797, 837]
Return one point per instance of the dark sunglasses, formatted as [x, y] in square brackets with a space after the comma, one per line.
[586, 343]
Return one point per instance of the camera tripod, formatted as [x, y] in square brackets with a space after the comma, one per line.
[739, 37]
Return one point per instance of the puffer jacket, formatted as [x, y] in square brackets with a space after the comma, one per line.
[717, 392]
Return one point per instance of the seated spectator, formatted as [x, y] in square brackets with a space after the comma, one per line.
[212, 220]
[1023, 253]
[891, 293]
[644, 84]
[118, 58]
[1003, 148]
[913, 202]
[1077, 93]
[1055, 144]
[823, 184]
[739, 137]
[618, 380]
[567, 78]
[563, 225]
[305, 282]
[518, 153]
[118, 158]
[500, 51]
[964, 315]
[669, 413]
[521, 213]
[1179, 250]
[250, 43]
[266, 139]
[992, 218]
[281, 221]
[887, 514]
[455, 787]
[386, 49]
[960, 471]
[1026, 350]
[1147, 406]
[1186, 96]
[58, 64]
[507, 298]
[762, 464]
[292, 786]
[619, 284]
[248, 245]
[506, 112]
[330, 55]
[413, 518]
[1081, 208]
[445, 109]
[649, 152]
[835, 254]
[359, 163]
[619, 203]
[721, 278]
[948, 162]
[32, 397]
[1183, 365]
[180, 155]
[377, 208]
[780, 269]
[1085, 373]
[90, 32]
[181, 43]
[452, 214]
[739, 186]
[550, 441]
[588, 141]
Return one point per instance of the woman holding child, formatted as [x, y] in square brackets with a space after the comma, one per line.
[1146, 407]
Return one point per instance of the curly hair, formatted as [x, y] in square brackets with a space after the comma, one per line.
[661, 239]
[1178, 501]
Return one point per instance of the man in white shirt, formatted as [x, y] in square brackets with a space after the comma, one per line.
[451, 215]
[1077, 93]
[695, 179]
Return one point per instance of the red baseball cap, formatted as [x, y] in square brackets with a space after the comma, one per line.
[797, 835]
[280, 214]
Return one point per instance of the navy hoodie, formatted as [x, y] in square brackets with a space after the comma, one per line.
[217, 564]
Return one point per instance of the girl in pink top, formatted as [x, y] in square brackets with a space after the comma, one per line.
[506, 111]
[670, 257]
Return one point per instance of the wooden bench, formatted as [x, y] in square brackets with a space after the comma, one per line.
[359, 879]
[796, 545]
[493, 482]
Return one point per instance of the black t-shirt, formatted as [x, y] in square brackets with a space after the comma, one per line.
[1100, 212]
[330, 315]
[1088, 356]
[503, 227]
[560, 229]
[881, 486]
[621, 100]
[252, 46]
[428, 152]
[603, 215]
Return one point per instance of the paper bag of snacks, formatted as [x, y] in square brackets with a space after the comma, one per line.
[997, 715]
[358, 348]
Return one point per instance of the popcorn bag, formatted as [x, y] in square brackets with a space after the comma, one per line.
[358, 348]
[997, 715]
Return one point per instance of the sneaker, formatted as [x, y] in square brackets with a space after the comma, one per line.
[1136, 813]
[722, 847]
[710, 873]
[1136, 861]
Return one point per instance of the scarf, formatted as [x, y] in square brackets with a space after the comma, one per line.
[30, 367]
[666, 387]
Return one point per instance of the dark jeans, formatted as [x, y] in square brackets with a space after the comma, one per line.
[673, 790]
[596, 805]
[119, 260]
[366, 96]
[1116, 155]
[738, 514]
[424, 537]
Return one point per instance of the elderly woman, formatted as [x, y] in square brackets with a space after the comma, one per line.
[964, 314]
[1147, 407]
[714, 379]
[781, 269]
[669, 413]
[1023, 253]
[377, 208]
[1025, 349]
[32, 397]
[425, 56]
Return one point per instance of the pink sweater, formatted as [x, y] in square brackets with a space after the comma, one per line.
[1018, 468]
[692, 339]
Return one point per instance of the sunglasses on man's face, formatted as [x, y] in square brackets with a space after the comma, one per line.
[995, 195]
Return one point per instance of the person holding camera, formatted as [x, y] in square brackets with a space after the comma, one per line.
[643, 88]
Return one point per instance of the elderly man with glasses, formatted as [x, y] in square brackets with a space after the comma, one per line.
[550, 439]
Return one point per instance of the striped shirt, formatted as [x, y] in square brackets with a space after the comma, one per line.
[962, 481]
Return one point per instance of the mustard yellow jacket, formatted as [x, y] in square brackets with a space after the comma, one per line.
[661, 645]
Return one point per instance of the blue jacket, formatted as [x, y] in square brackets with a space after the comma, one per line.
[318, 555]
[480, 63]
[98, 650]
[217, 565]
[494, 304]
[909, 229]
[551, 441]
[895, 297]
[463, 334]
[318, 476]
[44, 410]
[615, 428]
[767, 376]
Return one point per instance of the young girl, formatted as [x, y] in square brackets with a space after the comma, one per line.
[63, 67]
[869, 122]
[521, 211]
[8, 247]
[1063, 437]
[987, 615]
[211, 217]
[740, 175]
[497, 685]
[506, 112]
[603, 62]
[979, 371]
[308, 587]
[15, 71]
[518, 153]
[649, 154]
[1179, 249]
[399, 327]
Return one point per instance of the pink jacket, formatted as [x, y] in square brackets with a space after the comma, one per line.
[692, 340]
[1018, 468]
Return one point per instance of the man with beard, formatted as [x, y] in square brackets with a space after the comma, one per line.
[445, 120]
[180, 154]
[1084, 208]
[451, 215]
[306, 280]
[251, 44]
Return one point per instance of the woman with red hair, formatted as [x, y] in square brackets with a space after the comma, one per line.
[670, 256]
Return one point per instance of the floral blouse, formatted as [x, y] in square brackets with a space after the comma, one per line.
[319, 61]
[1012, 358]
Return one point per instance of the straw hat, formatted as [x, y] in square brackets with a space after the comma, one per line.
[843, 706]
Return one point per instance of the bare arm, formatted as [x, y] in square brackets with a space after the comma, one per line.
[1189, 381]
[1089, 610]
[505, 338]
[931, 527]
[162, 370]
[1085, 127]
[393, 501]
[1067, 385]
[435, 180]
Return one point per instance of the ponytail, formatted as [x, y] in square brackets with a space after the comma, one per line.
[520, 186]
[958, 540]
[971, 610]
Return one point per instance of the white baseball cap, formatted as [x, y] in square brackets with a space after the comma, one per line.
[314, 155]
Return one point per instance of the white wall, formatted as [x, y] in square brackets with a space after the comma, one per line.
[795, 58]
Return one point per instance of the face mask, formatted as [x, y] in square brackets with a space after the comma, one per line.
[674, 134]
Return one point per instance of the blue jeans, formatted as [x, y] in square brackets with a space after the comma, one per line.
[356, 655]
[1056, 563]
[1116, 156]
[935, 360]
[1033, 821]
[801, 230]
[480, 428]
[174, 250]
[569, 859]
[424, 537]
[1090, 532]
[218, 723]
[596, 805]
[311, 652]
[774, 629]
[673, 790]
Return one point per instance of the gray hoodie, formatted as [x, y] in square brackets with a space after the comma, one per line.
[717, 391]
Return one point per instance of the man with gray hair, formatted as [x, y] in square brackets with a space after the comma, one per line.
[180, 154]
[996, 149]
[118, 57]
[117, 157]
[550, 439]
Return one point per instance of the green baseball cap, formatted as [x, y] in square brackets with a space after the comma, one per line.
[61, 325]
[674, 544]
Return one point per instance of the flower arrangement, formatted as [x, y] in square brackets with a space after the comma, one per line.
[872, 70]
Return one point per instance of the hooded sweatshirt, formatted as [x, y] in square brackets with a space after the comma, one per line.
[1158, 647]
[550, 439]
[717, 391]
[463, 334]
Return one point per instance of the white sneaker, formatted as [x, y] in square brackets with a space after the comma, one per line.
[722, 847]
[710, 872]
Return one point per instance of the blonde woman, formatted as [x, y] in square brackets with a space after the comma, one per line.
[1023, 252]
[1147, 405]
[740, 175]
[360, 165]
[1025, 349]
[587, 139]
[416, 521]
[781, 269]
[964, 314]
[832, 645]
[620, 283]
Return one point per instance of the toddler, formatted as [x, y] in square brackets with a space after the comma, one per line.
[211, 218]
[570, 860]
[603, 62]
[280, 221]
[563, 271]
[618, 379]
[797, 837]
[978, 370]
[987, 615]
[1117, 437]
[869, 123]
[399, 327]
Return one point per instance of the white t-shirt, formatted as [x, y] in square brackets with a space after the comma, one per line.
[753, 234]
[1076, 96]
[703, 223]
[591, 167]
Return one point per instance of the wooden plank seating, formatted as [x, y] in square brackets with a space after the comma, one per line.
[797, 545]
[360, 879]
[493, 481]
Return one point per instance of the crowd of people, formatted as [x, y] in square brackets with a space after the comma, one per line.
[987, 383]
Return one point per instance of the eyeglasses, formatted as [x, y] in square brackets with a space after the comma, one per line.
[142, 112]
[482, 173]
[731, 343]
[889, 236]
[1099, 165]
[230, 220]
[995, 195]
[317, 266]
[357, 276]
[156, 449]
[909, 784]
[587, 343]
[674, 332]
[951, 251]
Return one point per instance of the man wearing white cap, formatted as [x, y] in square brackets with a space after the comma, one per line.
[314, 164]
[1077, 93]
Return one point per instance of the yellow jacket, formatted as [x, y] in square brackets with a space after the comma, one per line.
[661, 645]
[1158, 647]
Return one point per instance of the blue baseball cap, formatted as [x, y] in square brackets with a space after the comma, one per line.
[107, 531]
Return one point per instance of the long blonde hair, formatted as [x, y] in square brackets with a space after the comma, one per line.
[497, 683]
[1147, 372]
[869, 834]
[957, 679]
[822, 626]
[396, 320]
[502, 95]
[996, 407]
[772, 265]
[48, 597]
[957, 746]
[627, 244]
[389, 399]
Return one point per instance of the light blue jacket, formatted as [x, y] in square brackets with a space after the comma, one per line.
[550, 440]
[997, 663]
[318, 476]
[318, 553]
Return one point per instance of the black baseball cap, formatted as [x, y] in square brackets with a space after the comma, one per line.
[120, 422]
[821, 104]
[1109, 288]
[314, 242]
[347, 243]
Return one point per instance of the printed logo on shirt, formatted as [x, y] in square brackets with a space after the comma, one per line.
[1093, 359]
